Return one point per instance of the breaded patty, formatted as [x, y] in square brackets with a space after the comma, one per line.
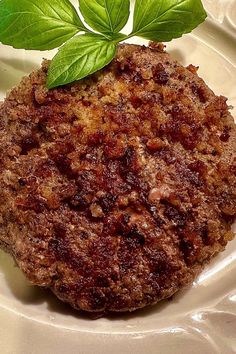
[115, 191]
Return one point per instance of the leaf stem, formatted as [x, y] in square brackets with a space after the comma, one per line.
[85, 29]
[124, 38]
[130, 35]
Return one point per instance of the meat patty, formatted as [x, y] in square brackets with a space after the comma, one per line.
[115, 191]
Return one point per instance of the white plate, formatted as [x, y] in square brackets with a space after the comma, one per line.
[200, 319]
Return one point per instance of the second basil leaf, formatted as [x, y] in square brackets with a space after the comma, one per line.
[106, 16]
[38, 24]
[79, 57]
[163, 20]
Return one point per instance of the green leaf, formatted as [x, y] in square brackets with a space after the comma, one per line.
[118, 37]
[164, 20]
[105, 16]
[79, 57]
[38, 24]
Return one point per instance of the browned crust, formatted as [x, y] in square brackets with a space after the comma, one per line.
[116, 190]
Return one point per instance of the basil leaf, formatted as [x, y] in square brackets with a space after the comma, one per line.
[105, 16]
[79, 57]
[38, 24]
[164, 20]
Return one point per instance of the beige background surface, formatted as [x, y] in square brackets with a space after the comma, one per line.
[200, 319]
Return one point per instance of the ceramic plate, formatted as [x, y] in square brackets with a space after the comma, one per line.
[199, 319]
